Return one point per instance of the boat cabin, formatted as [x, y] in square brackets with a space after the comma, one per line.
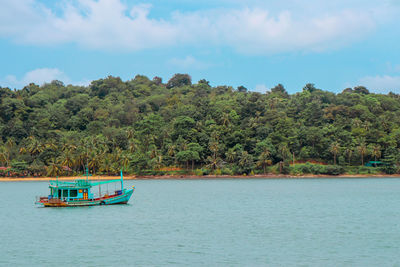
[70, 191]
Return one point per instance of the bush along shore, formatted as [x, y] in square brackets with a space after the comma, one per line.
[148, 127]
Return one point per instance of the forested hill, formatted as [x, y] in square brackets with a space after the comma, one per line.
[147, 126]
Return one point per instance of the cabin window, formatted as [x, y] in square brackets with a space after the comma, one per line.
[73, 193]
[65, 193]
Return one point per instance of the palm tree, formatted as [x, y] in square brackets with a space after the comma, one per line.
[376, 151]
[50, 145]
[214, 162]
[94, 160]
[349, 153]
[171, 150]
[10, 143]
[130, 133]
[116, 155]
[107, 164]
[264, 159]
[230, 155]
[35, 146]
[125, 159]
[54, 168]
[158, 161]
[362, 149]
[6, 150]
[245, 159]
[68, 159]
[133, 147]
[4, 155]
[284, 151]
[335, 147]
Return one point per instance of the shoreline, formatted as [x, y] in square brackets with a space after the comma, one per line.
[204, 177]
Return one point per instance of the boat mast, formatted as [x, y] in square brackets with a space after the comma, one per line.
[87, 173]
[122, 181]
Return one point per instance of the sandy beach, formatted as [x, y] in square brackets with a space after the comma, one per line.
[192, 177]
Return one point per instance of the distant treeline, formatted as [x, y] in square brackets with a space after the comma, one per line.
[146, 126]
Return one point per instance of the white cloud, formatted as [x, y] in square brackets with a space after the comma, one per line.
[39, 77]
[189, 62]
[381, 84]
[109, 24]
[262, 88]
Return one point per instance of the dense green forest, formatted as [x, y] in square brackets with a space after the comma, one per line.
[146, 126]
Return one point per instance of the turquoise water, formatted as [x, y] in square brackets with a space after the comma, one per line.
[249, 222]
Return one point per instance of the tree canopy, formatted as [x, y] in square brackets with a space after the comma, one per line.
[144, 124]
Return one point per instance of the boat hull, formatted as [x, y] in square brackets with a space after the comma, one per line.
[108, 200]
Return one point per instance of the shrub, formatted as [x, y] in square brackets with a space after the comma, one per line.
[218, 172]
[198, 172]
[227, 171]
[333, 170]
[205, 171]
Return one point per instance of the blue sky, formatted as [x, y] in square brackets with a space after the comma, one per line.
[258, 44]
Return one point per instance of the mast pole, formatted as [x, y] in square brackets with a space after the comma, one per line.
[122, 181]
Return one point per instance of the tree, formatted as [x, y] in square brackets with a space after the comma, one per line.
[389, 161]
[242, 89]
[35, 146]
[157, 80]
[334, 148]
[349, 153]
[264, 159]
[141, 125]
[179, 80]
[214, 161]
[68, 159]
[279, 90]
[246, 162]
[362, 149]
[54, 168]
[361, 90]
[309, 88]
[4, 155]
[376, 151]
[231, 155]
[195, 151]
[184, 156]
[347, 90]
[284, 151]
[265, 151]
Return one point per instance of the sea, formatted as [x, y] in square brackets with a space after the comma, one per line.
[209, 222]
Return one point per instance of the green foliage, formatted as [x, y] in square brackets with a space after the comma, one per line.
[145, 126]
[179, 80]
[389, 161]
[308, 168]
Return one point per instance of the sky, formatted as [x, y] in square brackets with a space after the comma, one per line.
[257, 44]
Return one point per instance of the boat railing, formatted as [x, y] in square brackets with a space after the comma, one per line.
[41, 198]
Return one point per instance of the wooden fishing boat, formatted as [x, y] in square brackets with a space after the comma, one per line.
[81, 192]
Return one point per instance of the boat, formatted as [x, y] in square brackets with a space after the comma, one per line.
[81, 192]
